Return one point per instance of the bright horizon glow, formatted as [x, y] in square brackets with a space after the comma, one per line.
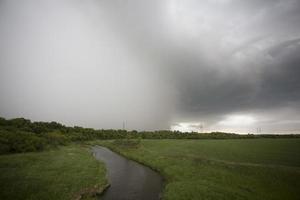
[231, 123]
[187, 127]
[237, 120]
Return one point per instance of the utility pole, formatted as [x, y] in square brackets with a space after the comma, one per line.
[201, 128]
[258, 130]
[123, 125]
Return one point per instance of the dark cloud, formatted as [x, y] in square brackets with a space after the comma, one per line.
[154, 63]
[280, 80]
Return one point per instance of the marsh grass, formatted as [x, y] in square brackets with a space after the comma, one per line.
[222, 169]
[128, 142]
[57, 174]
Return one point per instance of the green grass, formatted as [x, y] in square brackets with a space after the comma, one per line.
[57, 174]
[222, 169]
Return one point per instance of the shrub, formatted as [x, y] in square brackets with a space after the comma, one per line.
[128, 142]
[17, 142]
[56, 138]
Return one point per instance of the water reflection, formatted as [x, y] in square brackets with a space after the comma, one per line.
[129, 180]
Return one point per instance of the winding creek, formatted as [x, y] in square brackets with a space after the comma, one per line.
[129, 180]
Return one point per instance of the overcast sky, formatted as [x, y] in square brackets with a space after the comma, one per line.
[209, 65]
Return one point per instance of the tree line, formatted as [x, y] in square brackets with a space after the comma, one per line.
[23, 135]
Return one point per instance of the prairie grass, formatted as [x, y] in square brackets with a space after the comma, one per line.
[55, 174]
[222, 169]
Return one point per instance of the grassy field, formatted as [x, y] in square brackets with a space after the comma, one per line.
[222, 169]
[65, 173]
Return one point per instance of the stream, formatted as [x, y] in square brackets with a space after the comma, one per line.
[128, 180]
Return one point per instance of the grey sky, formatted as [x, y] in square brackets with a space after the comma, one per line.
[226, 65]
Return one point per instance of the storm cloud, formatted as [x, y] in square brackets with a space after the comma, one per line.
[223, 65]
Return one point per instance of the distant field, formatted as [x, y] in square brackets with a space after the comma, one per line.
[222, 169]
[56, 174]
